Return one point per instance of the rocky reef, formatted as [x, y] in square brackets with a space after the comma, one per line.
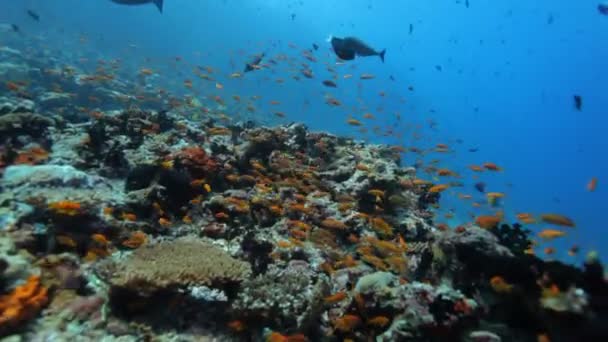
[146, 225]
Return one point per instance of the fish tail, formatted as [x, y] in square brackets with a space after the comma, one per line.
[381, 54]
[159, 4]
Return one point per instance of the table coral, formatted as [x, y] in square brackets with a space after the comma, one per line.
[179, 263]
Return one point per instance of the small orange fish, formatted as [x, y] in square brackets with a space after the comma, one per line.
[445, 172]
[492, 167]
[557, 219]
[499, 285]
[128, 217]
[526, 218]
[550, 234]
[487, 221]
[221, 215]
[543, 338]
[438, 188]
[333, 102]
[236, 326]
[164, 222]
[100, 238]
[354, 122]
[347, 323]
[378, 321]
[592, 184]
[66, 241]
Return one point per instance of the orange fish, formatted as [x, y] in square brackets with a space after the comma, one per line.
[592, 184]
[100, 238]
[236, 326]
[557, 219]
[164, 222]
[526, 218]
[368, 116]
[550, 234]
[499, 285]
[347, 323]
[378, 321]
[353, 122]
[487, 221]
[438, 188]
[492, 167]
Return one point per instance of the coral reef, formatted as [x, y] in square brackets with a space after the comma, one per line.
[141, 224]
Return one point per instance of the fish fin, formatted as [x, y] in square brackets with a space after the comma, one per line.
[159, 4]
[329, 38]
[381, 54]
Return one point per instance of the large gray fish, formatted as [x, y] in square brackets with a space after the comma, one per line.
[349, 47]
[158, 3]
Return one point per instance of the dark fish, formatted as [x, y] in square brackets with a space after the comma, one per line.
[254, 63]
[473, 149]
[438, 67]
[466, 3]
[578, 102]
[349, 47]
[391, 77]
[315, 46]
[481, 187]
[15, 28]
[293, 16]
[330, 83]
[603, 8]
[158, 3]
[33, 15]
[411, 28]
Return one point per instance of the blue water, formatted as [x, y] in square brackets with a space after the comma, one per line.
[506, 86]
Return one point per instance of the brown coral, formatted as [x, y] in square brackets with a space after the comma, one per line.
[178, 263]
[22, 304]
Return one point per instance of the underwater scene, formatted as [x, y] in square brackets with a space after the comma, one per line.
[303, 170]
